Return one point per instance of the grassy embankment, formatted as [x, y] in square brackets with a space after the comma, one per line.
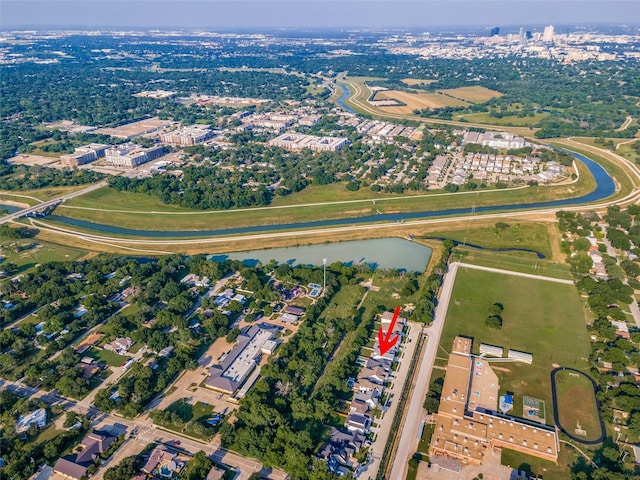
[140, 211]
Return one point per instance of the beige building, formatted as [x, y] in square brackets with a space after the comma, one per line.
[84, 155]
[130, 155]
[188, 135]
[297, 141]
[468, 422]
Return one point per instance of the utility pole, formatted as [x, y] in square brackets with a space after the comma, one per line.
[324, 275]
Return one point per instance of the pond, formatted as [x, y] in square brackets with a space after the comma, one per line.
[385, 253]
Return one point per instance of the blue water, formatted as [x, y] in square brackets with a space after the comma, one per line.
[345, 95]
[605, 187]
[9, 208]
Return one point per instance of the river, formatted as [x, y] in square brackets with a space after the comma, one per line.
[385, 253]
[605, 187]
[345, 95]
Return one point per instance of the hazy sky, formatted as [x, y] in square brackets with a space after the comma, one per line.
[312, 13]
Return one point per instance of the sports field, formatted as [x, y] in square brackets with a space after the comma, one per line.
[473, 94]
[577, 407]
[539, 317]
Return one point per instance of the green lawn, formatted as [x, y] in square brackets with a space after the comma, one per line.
[389, 290]
[532, 236]
[110, 358]
[543, 318]
[27, 253]
[516, 261]
[190, 419]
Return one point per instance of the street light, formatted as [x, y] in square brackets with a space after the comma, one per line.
[324, 275]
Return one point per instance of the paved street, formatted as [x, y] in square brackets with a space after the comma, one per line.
[408, 347]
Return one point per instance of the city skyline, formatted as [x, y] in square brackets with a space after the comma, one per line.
[315, 14]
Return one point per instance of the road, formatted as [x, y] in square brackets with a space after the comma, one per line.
[410, 430]
[393, 393]
[25, 211]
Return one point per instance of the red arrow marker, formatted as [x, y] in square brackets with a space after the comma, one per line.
[384, 340]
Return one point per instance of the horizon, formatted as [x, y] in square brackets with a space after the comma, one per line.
[312, 15]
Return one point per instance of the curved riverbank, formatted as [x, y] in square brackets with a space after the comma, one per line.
[605, 187]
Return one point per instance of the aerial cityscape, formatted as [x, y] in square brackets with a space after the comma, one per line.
[313, 240]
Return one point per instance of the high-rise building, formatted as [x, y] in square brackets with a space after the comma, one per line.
[494, 31]
[547, 36]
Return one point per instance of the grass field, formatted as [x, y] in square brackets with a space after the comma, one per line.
[27, 253]
[416, 81]
[473, 94]
[515, 261]
[414, 101]
[628, 152]
[533, 236]
[543, 318]
[507, 120]
[192, 418]
[577, 405]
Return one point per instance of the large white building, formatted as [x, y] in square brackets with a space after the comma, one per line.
[297, 141]
[547, 36]
[130, 155]
[188, 135]
[83, 155]
[495, 139]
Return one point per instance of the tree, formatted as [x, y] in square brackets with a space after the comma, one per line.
[198, 467]
[494, 321]
[233, 335]
[496, 309]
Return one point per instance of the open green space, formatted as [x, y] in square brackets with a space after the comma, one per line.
[577, 407]
[507, 120]
[540, 317]
[110, 358]
[532, 236]
[27, 253]
[522, 262]
[182, 417]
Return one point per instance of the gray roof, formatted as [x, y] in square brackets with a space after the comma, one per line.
[215, 378]
[66, 467]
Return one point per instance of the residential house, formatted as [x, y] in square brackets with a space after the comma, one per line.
[359, 406]
[358, 423]
[120, 345]
[75, 466]
[158, 458]
[376, 375]
[339, 450]
[371, 398]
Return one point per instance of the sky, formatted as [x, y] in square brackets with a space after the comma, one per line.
[229, 14]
